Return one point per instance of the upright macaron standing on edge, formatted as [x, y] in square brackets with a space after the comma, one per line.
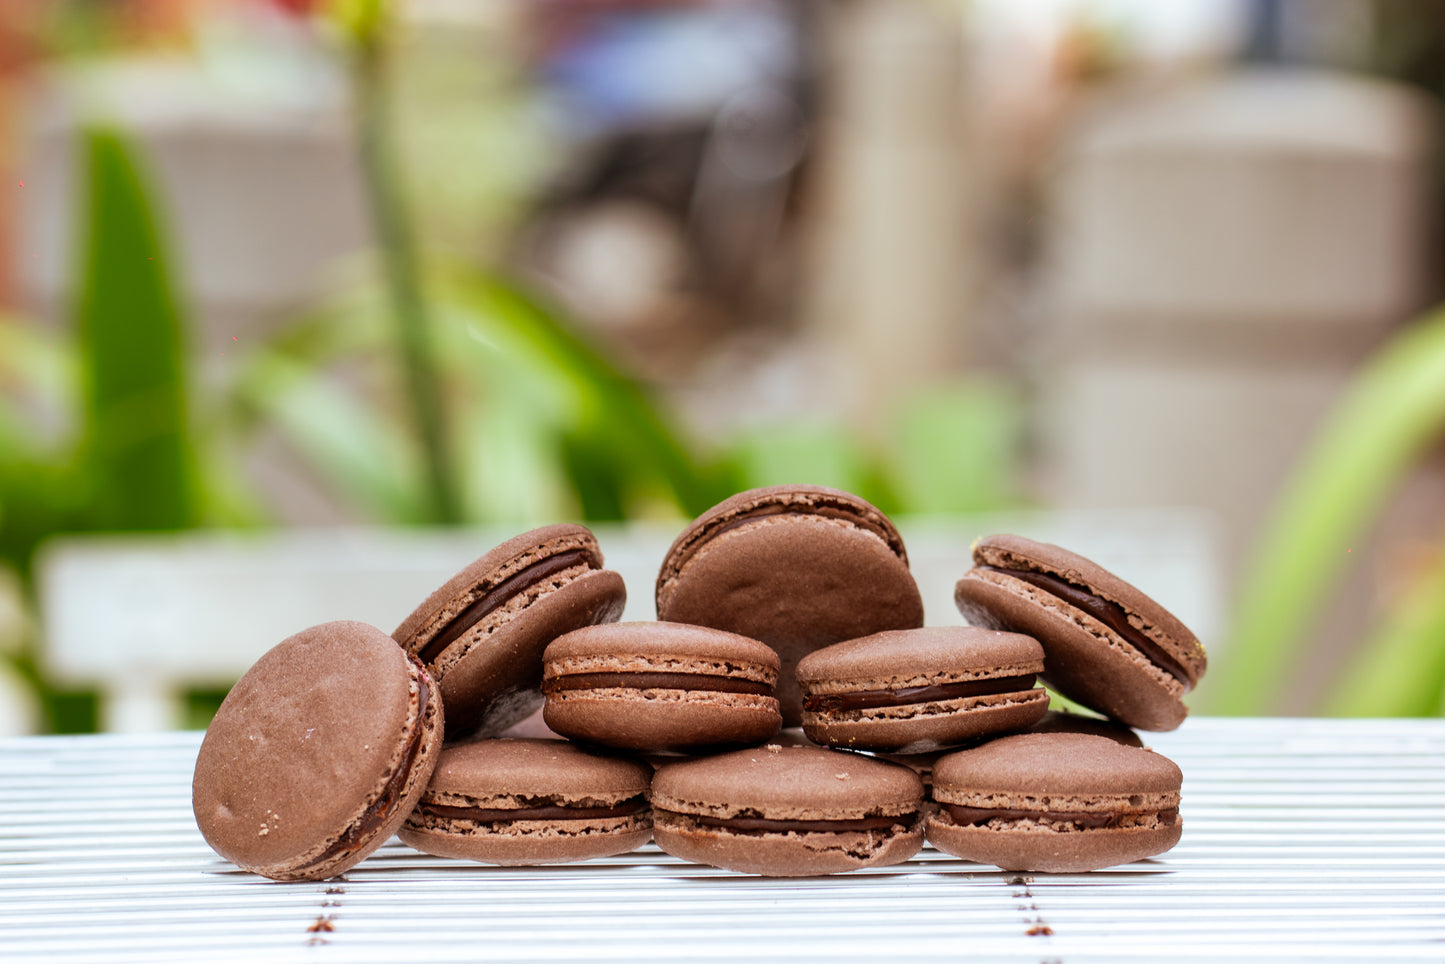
[798, 567]
[317, 754]
[483, 632]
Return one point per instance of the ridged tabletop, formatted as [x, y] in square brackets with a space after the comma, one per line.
[1303, 840]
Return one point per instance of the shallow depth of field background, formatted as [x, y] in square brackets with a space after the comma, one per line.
[471, 266]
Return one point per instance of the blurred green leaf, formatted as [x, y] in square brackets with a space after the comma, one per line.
[1394, 411]
[1400, 671]
[957, 448]
[607, 396]
[348, 441]
[136, 451]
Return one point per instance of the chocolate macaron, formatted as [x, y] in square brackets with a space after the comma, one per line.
[520, 802]
[660, 686]
[918, 690]
[317, 754]
[1106, 644]
[798, 567]
[482, 633]
[1055, 802]
[788, 811]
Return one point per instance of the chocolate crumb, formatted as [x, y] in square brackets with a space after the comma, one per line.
[1040, 930]
[322, 924]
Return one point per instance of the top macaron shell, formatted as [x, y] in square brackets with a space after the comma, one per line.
[507, 774]
[491, 675]
[317, 754]
[797, 567]
[695, 687]
[901, 660]
[788, 783]
[1085, 660]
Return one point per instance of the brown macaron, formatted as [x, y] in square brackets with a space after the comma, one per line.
[918, 690]
[798, 567]
[660, 686]
[1055, 802]
[521, 802]
[482, 634]
[317, 754]
[1106, 644]
[788, 811]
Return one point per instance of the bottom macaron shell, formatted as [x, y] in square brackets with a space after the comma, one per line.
[664, 720]
[1050, 851]
[953, 726]
[1085, 667]
[525, 843]
[785, 854]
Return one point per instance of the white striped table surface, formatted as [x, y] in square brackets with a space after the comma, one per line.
[1303, 840]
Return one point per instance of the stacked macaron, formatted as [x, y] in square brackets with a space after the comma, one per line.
[780, 606]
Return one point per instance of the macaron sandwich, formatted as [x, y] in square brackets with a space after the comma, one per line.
[919, 690]
[482, 633]
[788, 811]
[1106, 645]
[660, 686]
[531, 802]
[1055, 802]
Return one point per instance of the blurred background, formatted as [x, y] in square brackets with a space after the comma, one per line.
[305, 303]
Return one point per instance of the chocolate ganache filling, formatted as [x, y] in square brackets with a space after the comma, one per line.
[658, 681]
[496, 597]
[975, 816]
[1111, 614]
[761, 825]
[371, 820]
[546, 811]
[845, 514]
[908, 695]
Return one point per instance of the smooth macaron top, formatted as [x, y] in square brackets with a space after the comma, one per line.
[306, 743]
[660, 647]
[506, 772]
[920, 657]
[1073, 764]
[1015, 553]
[760, 505]
[787, 783]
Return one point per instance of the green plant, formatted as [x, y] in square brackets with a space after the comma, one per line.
[1392, 414]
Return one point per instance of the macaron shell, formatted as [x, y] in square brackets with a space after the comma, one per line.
[1084, 659]
[787, 854]
[1048, 851]
[951, 723]
[797, 583]
[651, 720]
[305, 742]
